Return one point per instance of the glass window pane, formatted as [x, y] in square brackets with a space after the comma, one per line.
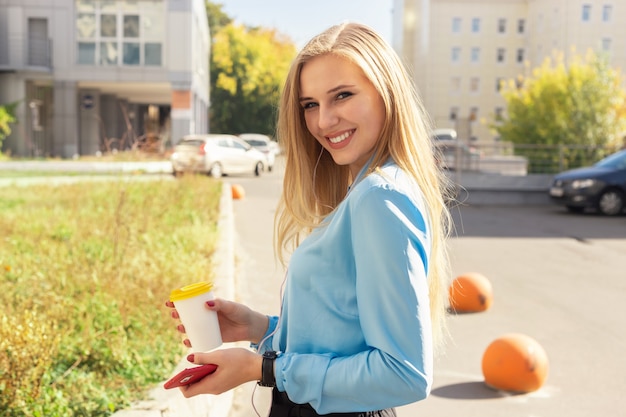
[86, 25]
[86, 53]
[131, 26]
[108, 53]
[108, 26]
[131, 53]
[152, 53]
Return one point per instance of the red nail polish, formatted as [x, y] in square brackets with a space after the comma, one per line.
[191, 357]
[210, 303]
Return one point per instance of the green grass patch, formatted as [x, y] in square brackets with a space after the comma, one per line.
[85, 270]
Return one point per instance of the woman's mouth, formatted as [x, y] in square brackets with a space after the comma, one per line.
[340, 138]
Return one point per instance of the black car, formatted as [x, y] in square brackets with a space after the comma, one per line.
[601, 186]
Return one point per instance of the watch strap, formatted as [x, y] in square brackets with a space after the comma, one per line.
[268, 379]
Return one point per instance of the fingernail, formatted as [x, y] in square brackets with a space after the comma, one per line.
[191, 357]
[210, 303]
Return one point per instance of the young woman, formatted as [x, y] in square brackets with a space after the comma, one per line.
[364, 220]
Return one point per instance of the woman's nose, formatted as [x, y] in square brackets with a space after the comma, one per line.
[327, 117]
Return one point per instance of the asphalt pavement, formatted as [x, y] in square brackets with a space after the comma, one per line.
[557, 277]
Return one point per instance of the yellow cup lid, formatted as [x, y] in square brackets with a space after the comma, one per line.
[190, 291]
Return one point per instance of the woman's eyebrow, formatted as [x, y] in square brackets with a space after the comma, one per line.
[331, 91]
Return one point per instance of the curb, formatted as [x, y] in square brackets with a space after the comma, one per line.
[172, 403]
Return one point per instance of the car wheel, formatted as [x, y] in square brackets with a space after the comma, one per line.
[611, 202]
[216, 170]
[258, 169]
[575, 209]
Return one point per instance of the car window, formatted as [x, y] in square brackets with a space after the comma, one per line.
[255, 142]
[615, 161]
[239, 145]
[224, 143]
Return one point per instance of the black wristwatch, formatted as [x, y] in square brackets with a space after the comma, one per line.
[267, 371]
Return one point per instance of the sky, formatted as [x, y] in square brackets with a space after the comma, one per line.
[301, 20]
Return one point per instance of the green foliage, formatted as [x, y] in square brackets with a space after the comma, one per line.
[84, 273]
[579, 103]
[216, 16]
[248, 68]
[7, 116]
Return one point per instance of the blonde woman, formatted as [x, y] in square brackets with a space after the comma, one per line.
[363, 221]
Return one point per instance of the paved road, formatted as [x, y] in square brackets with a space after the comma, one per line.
[557, 277]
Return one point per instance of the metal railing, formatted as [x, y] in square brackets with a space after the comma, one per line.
[520, 159]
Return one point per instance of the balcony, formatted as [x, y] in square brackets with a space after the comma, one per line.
[21, 54]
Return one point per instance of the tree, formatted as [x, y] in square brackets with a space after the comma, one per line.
[248, 68]
[216, 16]
[7, 116]
[578, 103]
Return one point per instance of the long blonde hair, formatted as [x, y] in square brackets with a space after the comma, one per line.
[314, 184]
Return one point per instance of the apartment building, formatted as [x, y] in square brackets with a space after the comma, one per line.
[460, 50]
[96, 75]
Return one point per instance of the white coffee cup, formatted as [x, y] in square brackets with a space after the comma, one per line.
[201, 325]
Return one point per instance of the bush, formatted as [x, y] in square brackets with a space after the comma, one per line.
[84, 273]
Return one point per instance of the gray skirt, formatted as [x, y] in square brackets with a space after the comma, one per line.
[282, 406]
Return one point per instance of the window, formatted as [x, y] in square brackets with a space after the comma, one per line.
[499, 84]
[131, 53]
[473, 114]
[520, 55]
[607, 11]
[521, 26]
[500, 54]
[474, 84]
[456, 25]
[108, 26]
[475, 57]
[476, 25]
[38, 42]
[131, 26]
[456, 54]
[606, 44]
[454, 113]
[499, 113]
[109, 54]
[501, 25]
[115, 33]
[586, 15]
[152, 54]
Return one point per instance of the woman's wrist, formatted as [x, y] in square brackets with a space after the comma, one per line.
[258, 328]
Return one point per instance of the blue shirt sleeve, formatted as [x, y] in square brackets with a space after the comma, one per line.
[266, 341]
[389, 241]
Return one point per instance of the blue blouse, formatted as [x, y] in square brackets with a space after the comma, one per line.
[355, 331]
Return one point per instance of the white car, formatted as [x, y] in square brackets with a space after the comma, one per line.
[264, 144]
[216, 155]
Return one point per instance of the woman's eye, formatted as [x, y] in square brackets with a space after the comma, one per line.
[308, 105]
[344, 94]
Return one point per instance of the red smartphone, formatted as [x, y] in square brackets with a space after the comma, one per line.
[190, 375]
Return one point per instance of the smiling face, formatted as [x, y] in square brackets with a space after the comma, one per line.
[342, 109]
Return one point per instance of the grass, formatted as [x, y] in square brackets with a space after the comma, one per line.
[84, 272]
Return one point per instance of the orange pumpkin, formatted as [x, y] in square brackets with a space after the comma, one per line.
[515, 362]
[238, 191]
[470, 293]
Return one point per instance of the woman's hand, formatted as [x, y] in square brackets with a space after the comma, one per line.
[235, 366]
[237, 321]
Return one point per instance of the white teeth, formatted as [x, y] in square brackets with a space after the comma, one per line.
[340, 138]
